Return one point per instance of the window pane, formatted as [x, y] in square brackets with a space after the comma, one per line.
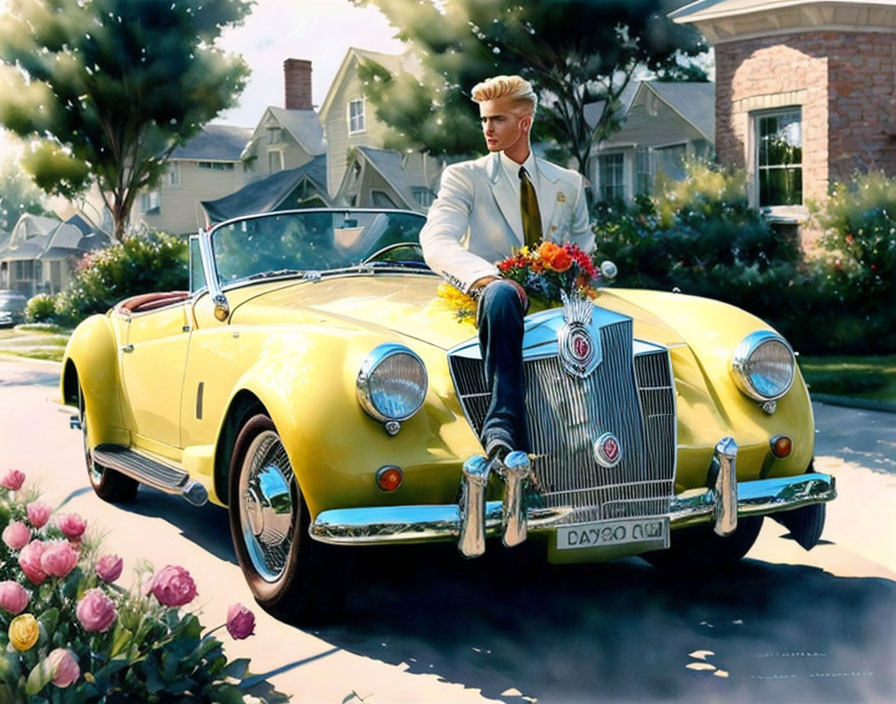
[779, 157]
[611, 169]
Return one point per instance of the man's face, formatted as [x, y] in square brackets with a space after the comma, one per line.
[505, 124]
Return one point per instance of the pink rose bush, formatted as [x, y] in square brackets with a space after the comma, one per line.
[108, 568]
[16, 535]
[240, 622]
[56, 588]
[173, 586]
[13, 480]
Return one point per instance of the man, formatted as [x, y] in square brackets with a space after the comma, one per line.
[486, 208]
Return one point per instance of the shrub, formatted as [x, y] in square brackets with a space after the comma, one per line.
[70, 633]
[156, 262]
[40, 308]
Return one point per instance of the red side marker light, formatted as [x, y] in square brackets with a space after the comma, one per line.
[781, 446]
[389, 478]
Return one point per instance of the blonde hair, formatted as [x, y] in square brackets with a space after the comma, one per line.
[516, 88]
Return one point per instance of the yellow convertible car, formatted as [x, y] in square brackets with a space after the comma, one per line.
[312, 382]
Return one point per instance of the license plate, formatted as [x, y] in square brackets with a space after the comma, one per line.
[616, 532]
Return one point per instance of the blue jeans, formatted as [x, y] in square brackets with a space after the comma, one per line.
[500, 320]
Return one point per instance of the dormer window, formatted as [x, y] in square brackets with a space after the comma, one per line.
[356, 115]
[275, 135]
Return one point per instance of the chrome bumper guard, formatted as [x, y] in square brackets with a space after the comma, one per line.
[474, 519]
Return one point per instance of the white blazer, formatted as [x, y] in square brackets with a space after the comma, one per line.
[476, 219]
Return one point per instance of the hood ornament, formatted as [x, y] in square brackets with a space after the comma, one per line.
[579, 349]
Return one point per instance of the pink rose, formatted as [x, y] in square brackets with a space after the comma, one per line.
[71, 525]
[13, 479]
[29, 561]
[173, 586]
[13, 597]
[16, 535]
[240, 622]
[64, 667]
[58, 558]
[38, 513]
[108, 567]
[95, 611]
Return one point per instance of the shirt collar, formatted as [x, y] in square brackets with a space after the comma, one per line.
[512, 169]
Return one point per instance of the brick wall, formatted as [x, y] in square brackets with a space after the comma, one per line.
[845, 83]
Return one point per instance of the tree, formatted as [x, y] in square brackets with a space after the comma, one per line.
[107, 89]
[18, 195]
[575, 52]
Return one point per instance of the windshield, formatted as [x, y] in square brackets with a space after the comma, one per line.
[313, 240]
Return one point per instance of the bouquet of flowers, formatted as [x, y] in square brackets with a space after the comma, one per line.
[547, 273]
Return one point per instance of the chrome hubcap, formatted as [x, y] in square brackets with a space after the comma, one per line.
[268, 506]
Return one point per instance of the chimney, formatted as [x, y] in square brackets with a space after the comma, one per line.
[297, 80]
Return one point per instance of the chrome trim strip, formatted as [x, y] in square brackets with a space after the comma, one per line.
[516, 470]
[406, 524]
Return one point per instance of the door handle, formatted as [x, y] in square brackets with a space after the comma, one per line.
[127, 348]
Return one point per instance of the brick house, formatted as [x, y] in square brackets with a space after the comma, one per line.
[805, 93]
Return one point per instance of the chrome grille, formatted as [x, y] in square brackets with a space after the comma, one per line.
[565, 414]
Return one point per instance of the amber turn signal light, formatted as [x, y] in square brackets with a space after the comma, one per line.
[389, 478]
[781, 446]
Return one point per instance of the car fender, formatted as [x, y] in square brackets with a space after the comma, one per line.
[705, 334]
[92, 351]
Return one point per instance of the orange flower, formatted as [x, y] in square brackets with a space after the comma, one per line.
[554, 257]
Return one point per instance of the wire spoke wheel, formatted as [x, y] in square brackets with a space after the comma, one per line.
[268, 505]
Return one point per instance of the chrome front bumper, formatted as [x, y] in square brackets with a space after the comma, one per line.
[474, 519]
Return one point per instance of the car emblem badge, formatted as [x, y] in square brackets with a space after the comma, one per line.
[607, 450]
[579, 350]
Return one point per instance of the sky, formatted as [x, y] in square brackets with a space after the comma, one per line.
[318, 30]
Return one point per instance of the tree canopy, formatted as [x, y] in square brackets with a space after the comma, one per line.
[18, 195]
[575, 52]
[107, 89]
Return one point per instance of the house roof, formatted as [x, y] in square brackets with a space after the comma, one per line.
[215, 143]
[394, 63]
[695, 102]
[266, 195]
[594, 110]
[39, 237]
[717, 9]
[304, 126]
[389, 164]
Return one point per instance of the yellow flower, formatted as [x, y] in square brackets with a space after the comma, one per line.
[24, 632]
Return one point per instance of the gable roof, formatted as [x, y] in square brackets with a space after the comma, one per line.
[267, 194]
[303, 125]
[394, 63]
[215, 143]
[38, 237]
[593, 110]
[695, 102]
[717, 9]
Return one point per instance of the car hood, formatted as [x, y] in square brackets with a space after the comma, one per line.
[408, 305]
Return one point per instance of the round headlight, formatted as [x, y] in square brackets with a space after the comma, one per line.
[763, 366]
[392, 383]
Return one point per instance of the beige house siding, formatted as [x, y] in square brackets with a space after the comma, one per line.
[336, 128]
[258, 160]
[179, 211]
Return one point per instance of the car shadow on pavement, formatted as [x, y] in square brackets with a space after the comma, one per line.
[33, 377]
[519, 629]
[206, 526]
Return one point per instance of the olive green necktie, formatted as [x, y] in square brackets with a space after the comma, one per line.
[529, 210]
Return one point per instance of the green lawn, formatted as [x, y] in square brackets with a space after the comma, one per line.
[871, 377]
[35, 341]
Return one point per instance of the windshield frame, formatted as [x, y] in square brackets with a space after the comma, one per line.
[210, 268]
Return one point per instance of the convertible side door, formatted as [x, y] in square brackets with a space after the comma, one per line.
[152, 371]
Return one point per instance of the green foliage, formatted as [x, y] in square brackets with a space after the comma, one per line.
[702, 238]
[40, 308]
[91, 82]
[157, 262]
[574, 52]
[18, 195]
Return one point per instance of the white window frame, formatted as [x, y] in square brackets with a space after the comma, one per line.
[357, 121]
[795, 211]
[173, 175]
[279, 160]
[623, 180]
[151, 201]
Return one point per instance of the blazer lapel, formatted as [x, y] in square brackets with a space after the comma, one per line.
[504, 196]
[548, 190]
